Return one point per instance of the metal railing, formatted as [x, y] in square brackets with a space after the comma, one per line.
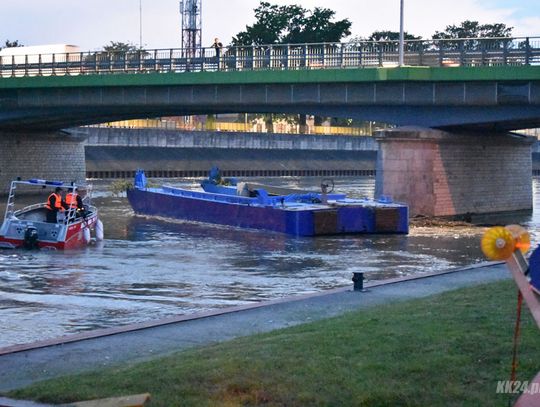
[462, 52]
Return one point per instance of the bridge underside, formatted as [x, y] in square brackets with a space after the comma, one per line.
[499, 119]
[494, 105]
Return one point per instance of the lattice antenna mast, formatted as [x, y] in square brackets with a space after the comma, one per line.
[190, 12]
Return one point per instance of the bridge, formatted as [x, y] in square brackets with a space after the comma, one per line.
[53, 91]
[469, 93]
[443, 52]
[499, 98]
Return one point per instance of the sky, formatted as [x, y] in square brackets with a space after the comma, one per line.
[91, 24]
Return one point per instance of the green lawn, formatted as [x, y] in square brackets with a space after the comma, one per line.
[445, 350]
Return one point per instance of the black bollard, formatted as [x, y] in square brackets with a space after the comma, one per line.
[358, 280]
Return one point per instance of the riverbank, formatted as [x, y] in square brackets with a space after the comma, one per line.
[465, 332]
[445, 349]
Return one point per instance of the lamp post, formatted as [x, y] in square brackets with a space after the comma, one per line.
[401, 33]
[140, 24]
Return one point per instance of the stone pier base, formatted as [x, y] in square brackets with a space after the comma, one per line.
[440, 173]
[45, 155]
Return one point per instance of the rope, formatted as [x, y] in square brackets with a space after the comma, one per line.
[516, 338]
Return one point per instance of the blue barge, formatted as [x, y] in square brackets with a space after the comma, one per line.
[254, 206]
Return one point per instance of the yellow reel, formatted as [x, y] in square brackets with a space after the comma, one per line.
[498, 243]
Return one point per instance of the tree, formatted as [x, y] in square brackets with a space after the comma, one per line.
[271, 21]
[11, 44]
[317, 27]
[389, 39]
[292, 24]
[120, 51]
[391, 36]
[475, 30]
[120, 47]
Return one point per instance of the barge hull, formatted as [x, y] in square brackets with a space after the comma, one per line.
[337, 219]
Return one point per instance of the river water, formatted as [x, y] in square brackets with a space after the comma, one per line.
[149, 268]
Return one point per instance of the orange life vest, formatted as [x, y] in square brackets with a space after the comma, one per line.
[71, 200]
[57, 202]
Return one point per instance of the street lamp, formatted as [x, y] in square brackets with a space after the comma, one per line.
[140, 24]
[401, 33]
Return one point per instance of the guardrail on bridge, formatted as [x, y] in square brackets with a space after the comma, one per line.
[462, 52]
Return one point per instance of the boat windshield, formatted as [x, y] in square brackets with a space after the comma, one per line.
[27, 199]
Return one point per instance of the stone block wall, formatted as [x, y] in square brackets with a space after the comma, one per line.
[117, 153]
[121, 162]
[102, 136]
[44, 155]
[443, 174]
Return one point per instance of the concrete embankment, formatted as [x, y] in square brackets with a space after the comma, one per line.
[117, 153]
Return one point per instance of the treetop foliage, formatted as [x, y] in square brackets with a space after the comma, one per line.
[473, 29]
[120, 47]
[11, 44]
[391, 36]
[292, 24]
[467, 29]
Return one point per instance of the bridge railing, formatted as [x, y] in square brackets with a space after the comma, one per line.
[462, 52]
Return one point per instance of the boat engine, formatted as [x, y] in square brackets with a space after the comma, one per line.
[30, 238]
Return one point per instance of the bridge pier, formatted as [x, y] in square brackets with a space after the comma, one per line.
[440, 173]
[53, 155]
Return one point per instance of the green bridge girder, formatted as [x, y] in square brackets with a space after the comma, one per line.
[499, 97]
[415, 74]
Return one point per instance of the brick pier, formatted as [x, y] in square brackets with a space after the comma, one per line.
[440, 173]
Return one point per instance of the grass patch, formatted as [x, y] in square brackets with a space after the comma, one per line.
[445, 350]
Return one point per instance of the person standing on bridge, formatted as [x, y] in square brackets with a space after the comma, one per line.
[217, 46]
[55, 204]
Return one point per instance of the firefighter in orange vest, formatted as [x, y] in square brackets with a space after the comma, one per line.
[74, 201]
[54, 204]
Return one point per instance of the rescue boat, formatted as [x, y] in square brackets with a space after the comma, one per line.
[27, 226]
